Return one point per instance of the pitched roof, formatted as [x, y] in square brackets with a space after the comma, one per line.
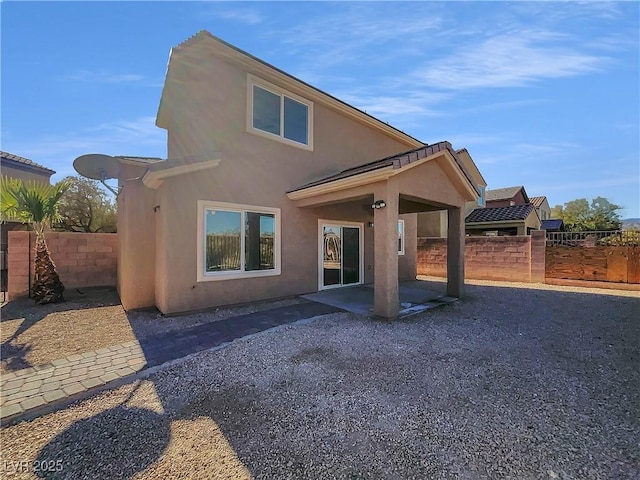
[538, 201]
[500, 214]
[551, 224]
[10, 157]
[396, 161]
[204, 35]
[502, 193]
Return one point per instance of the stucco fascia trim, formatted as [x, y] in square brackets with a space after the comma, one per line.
[382, 174]
[344, 183]
[154, 178]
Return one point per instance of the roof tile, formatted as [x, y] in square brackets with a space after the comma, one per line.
[499, 214]
[396, 161]
[25, 161]
[501, 193]
[538, 201]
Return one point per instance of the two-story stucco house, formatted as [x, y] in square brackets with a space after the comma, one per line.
[274, 188]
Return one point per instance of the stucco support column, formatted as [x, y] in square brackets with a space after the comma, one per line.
[385, 238]
[455, 253]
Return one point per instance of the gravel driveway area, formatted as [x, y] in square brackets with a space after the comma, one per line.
[509, 383]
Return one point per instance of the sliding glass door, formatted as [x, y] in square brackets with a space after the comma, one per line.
[341, 255]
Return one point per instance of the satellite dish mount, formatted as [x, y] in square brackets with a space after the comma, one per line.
[99, 167]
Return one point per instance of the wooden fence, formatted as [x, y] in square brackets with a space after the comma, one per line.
[596, 263]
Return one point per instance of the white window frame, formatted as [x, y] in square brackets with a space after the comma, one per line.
[338, 223]
[401, 237]
[202, 274]
[251, 81]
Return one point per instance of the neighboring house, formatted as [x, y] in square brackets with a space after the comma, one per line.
[498, 221]
[552, 225]
[506, 197]
[434, 224]
[15, 166]
[274, 188]
[508, 211]
[542, 207]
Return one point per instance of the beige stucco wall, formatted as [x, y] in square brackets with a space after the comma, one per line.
[7, 171]
[207, 107]
[136, 241]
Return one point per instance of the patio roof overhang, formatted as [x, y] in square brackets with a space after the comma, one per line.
[384, 169]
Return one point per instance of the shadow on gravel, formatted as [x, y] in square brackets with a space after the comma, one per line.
[12, 351]
[100, 450]
[521, 383]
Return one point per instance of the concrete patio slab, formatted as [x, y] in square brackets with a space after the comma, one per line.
[414, 296]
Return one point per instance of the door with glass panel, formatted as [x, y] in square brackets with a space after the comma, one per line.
[340, 255]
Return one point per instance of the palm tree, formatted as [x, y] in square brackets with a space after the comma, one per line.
[36, 203]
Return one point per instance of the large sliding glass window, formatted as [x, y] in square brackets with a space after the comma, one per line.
[239, 241]
[223, 240]
[259, 241]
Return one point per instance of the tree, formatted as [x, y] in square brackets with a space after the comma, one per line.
[86, 207]
[36, 203]
[580, 215]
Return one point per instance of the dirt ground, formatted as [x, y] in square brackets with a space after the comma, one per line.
[37, 334]
[514, 381]
[89, 319]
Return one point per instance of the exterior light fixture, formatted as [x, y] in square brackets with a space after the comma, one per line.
[378, 204]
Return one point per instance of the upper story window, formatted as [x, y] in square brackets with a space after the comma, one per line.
[279, 114]
[481, 199]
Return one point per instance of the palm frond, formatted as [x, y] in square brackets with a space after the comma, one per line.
[8, 199]
[31, 201]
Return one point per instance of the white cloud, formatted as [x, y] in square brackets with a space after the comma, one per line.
[208, 11]
[121, 137]
[242, 15]
[395, 107]
[508, 60]
[103, 76]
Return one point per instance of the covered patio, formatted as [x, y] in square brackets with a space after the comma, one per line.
[414, 297]
[425, 179]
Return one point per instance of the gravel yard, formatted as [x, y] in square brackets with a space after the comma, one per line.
[88, 320]
[510, 383]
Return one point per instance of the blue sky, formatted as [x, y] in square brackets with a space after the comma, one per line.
[544, 95]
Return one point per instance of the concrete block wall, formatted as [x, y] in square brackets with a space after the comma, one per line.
[81, 259]
[514, 258]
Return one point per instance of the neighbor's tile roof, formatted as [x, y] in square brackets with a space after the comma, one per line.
[501, 193]
[500, 214]
[397, 161]
[551, 224]
[24, 161]
[538, 201]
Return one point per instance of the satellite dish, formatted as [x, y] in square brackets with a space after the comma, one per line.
[97, 166]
